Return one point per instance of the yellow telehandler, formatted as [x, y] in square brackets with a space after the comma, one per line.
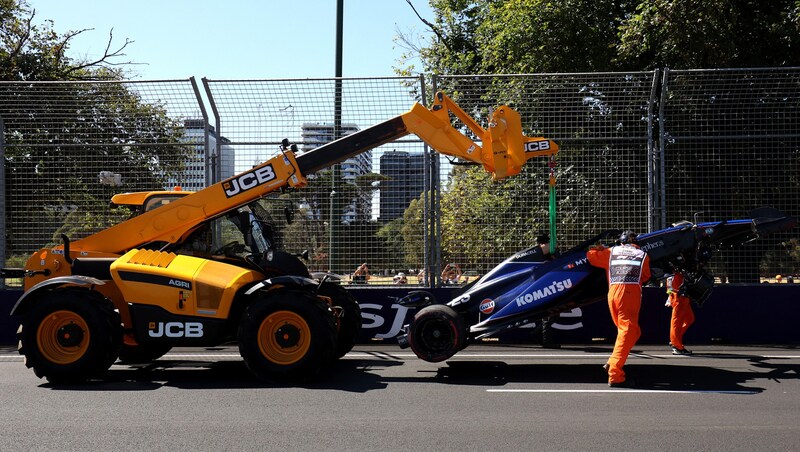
[201, 269]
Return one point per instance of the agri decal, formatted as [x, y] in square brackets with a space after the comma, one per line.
[552, 289]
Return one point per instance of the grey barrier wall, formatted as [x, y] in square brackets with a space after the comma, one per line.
[639, 150]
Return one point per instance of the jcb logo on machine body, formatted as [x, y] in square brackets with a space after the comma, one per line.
[175, 329]
[536, 146]
[248, 180]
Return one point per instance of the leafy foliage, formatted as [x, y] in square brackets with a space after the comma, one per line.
[534, 36]
[30, 52]
[540, 36]
[59, 135]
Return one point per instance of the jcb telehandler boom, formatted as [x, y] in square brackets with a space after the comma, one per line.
[202, 269]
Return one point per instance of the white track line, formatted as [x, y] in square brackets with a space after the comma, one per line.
[620, 391]
[463, 355]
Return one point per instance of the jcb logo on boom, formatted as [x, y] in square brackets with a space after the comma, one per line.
[536, 146]
[175, 329]
[248, 180]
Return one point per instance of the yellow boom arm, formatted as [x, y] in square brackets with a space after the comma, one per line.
[503, 152]
[505, 149]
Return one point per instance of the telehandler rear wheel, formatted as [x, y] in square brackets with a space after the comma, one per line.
[287, 336]
[437, 333]
[70, 335]
[348, 320]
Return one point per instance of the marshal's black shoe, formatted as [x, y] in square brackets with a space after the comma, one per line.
[629, 383]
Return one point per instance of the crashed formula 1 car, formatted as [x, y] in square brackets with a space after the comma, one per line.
[529, 286]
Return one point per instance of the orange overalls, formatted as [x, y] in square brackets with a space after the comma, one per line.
[682, 314]
[627, 267]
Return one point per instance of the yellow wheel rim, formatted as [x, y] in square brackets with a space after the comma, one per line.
[284, 337]
[63, 337]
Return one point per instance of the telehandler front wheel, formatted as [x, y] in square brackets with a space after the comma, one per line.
[70, 335]
[287, 336]
[436, 333]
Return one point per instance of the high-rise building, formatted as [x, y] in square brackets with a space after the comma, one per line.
[315, 135]
[405, 172]
[193, 177]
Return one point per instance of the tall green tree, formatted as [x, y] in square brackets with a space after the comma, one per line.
[541, 36]
[30, 51]
[535, 36]
[58, 136]
[692, 34]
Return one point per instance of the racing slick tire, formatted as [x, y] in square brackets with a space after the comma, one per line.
[436, 333]
[70, 335]
[348, 317]
[287, 336]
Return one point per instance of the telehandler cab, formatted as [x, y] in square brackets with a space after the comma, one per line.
[202, 269]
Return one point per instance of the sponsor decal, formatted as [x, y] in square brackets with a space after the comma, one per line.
[460, 300]
[385, 321]
[155, 279]
[561, 322]
[577, 263]
[547, 291]
[175, 329]
[180, 283]
[653, 245]
[373, 316]
[486, 306]
[535, 146]
[248, 180]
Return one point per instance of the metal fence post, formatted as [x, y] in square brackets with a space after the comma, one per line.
[2, 199]
[206, 141]
[654, 163]
[211, 164]
[426, 190]
[662, 132]
[436, 212]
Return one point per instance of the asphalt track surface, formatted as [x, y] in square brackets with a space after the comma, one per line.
[382, 398]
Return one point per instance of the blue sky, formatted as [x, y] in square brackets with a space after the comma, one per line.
[176, 39]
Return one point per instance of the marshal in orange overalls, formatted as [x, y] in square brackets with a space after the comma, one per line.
[627, 267]
[682, 314]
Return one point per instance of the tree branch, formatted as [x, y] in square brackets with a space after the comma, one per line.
[24, 38]
[433, 27]
[107, 53]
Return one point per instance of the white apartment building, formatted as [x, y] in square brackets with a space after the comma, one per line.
[194, 176]
[315, 135]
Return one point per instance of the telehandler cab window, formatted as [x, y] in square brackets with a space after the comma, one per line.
[238, 234]
[160, 200]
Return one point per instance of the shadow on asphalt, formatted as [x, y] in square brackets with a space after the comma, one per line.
[363, 375]
[647, 376]
[343, 375]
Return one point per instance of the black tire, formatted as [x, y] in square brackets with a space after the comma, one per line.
[436, 333]
[348, 320]
[287, 336]
[70, 335]
[142, 354]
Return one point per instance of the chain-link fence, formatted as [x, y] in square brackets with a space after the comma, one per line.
[69, 146]
[347, 216]
[602, 121]
[639, 150]
[730, 142]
